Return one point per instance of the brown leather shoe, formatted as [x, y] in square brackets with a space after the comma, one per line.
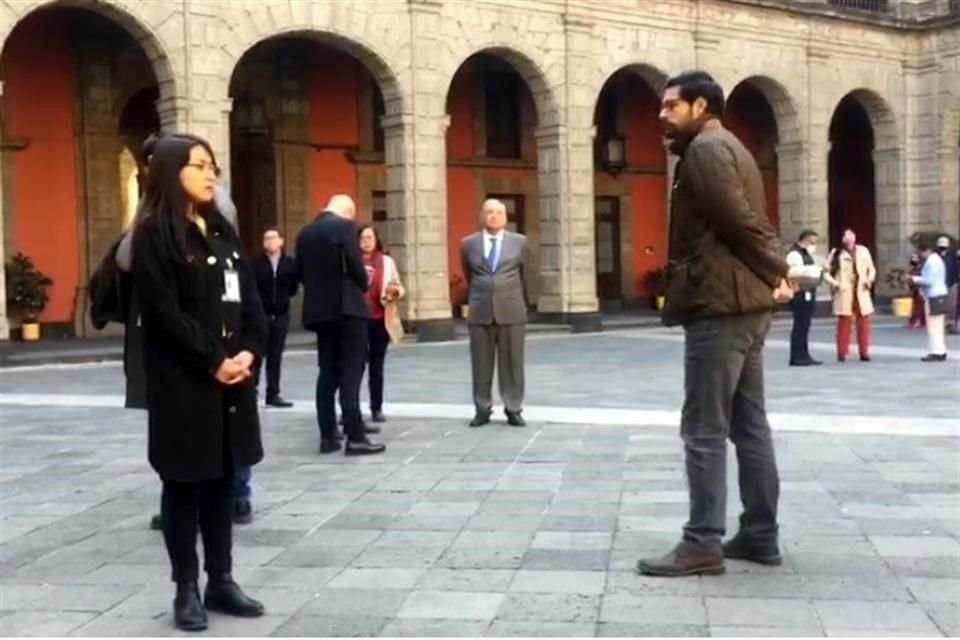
[682, 562]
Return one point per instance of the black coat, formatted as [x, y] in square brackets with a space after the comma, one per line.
[198, 428]
[331, 270]
[112, 299]
[276, 289]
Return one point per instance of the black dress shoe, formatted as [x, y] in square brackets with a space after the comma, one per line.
[222, 594]
[515, 419]
[278, 402]
[188, 611]
[865, 358]
[156, 522]
[329, 446]
[480, 419]
[364, 448]
[934, 357]
[377, 416]
[369, 428]
[242, 511]
[740, 547]
[805, 363]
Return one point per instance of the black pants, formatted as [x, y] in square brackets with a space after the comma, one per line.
[803, 310]
[377, 339]
[723, 383]
[276, 339]
[184, 506]
[341, 355]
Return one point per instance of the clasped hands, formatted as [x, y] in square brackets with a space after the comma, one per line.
[784, 292]
[236, 369]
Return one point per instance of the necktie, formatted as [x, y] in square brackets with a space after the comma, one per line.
[493, 256]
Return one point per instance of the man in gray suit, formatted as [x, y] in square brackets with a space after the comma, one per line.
[494, 262]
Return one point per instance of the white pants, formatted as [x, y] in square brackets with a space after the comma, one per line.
[936, 333]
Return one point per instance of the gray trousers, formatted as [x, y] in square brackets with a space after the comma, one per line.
[503, 344]
[723, 382]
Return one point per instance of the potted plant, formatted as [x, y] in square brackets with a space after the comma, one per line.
[899, 285]
[458, 296]
[655, 282]
[26, 294]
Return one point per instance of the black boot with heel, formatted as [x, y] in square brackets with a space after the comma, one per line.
[224, 595]
[188, 611]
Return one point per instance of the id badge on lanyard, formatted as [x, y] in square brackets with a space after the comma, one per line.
[231, 284]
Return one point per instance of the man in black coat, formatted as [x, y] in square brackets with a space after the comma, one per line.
[277, 282]
[335, 308]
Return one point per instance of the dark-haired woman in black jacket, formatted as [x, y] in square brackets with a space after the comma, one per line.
[203, 329]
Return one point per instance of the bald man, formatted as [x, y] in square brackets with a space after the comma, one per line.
[335, 308]
[494, 264]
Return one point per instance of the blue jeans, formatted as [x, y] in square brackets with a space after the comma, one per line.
[241, 482]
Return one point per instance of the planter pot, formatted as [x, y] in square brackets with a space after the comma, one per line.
[464, 311]
[30, 331]
[659, 302]
[901, 307]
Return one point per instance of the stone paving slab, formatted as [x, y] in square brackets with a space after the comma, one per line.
[479, 532]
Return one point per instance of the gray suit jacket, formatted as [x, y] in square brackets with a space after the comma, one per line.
[497, 297]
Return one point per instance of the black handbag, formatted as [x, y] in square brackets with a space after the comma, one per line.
[939, 306]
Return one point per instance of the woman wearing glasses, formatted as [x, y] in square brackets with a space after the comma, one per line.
[203, 328]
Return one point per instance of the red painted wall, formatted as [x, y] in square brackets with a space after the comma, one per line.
[334, 120]
[647, 190]
[738, 120]
[38, 105]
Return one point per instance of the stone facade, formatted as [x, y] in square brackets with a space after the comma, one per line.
[906, 75]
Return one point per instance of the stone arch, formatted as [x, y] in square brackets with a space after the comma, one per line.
[535, 77]
[885, 158]
[125, 16]
[781, 159]
[373, 60]
[630, 203]
[654, 78]
[294, 191]
[542, 223]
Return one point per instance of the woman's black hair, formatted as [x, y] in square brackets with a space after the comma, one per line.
[165, 201]
[379, 246]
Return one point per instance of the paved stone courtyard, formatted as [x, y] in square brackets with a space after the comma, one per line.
[502, 531]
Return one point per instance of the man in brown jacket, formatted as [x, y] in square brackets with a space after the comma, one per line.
[725, 278]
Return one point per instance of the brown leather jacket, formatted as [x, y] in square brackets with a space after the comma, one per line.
[724, 257]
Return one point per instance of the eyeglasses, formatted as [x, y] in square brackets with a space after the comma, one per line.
[205, 166]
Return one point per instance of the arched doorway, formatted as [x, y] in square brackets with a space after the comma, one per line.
[750, 117]
[495, 146]
[863, 169]
[630, 166]
[307, 121]
[850, 170]
[71, 110]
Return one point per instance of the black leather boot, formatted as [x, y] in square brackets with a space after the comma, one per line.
[222, 594]
[188, 611]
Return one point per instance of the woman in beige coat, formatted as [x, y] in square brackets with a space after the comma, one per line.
[852, 273]
[384, 326]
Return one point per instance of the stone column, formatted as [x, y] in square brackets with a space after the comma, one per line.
[816, 145]
[416, 210]
[576, 180]
[793, 216]
[918, 203]
[892, 229]
[416, 158]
